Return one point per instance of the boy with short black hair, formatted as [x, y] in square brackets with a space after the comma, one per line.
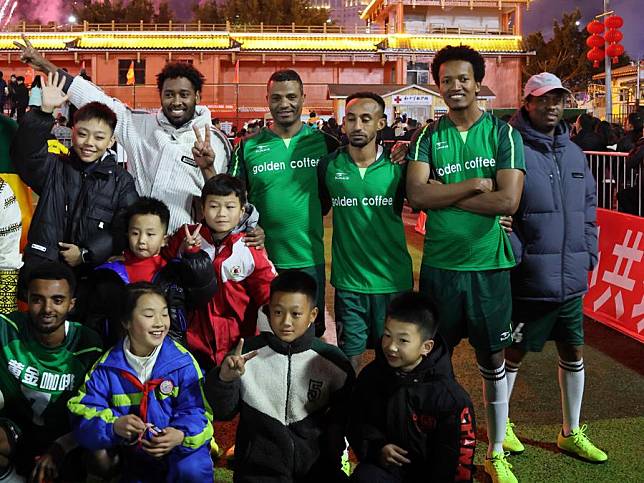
[243, 273]
[410, 420]
[292, 399]
[83, 191]
[43, 361]
[187, 281]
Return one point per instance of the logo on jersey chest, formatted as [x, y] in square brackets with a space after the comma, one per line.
[341, 176]
[441, 145]
[262, 148]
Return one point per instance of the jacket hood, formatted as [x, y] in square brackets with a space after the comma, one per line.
[437, 364]
[200, 119]
[249, 219]
[536, 139]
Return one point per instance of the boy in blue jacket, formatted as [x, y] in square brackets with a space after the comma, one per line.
[143, 401]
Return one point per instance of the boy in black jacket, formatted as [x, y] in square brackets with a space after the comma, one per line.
[187, 281]
[410, 420]
[83, 192]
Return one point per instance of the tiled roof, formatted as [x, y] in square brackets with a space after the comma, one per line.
[433, 43]
[308, 42]
[40, 41]
[154, 41]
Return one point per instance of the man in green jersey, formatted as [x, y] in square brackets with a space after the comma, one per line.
[366, 191]
[43, 361]
[478, 167]
[279, 166]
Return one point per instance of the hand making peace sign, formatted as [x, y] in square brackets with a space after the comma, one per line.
[234, 365]
[192, 241]
[202, 151]
[29, 55]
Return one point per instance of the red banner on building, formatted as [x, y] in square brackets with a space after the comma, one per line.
[616, 294]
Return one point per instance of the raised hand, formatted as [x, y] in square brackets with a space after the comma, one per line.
[53, 95]
[192, 241]
[29, 55]
[202, 151]
[234, 365]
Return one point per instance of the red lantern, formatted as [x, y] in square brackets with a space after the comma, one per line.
[614, 51]
[614, 22]
[613, 36]
[595, 41]
[595, 55]
[595, 27]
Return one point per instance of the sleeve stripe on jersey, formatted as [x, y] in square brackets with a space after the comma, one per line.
[10, 322]
[235, 170]
[420, 138]
[511, 147]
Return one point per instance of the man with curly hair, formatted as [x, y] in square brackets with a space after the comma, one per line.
[170, 153]
[478, 167]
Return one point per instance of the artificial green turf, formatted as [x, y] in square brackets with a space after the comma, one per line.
[613, 404]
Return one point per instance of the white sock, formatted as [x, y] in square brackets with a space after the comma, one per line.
[495, 398]
[571, 382]
[511, 371]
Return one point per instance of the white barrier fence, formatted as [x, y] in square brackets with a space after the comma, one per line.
[619, 187]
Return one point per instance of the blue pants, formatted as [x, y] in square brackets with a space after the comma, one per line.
[178, 466]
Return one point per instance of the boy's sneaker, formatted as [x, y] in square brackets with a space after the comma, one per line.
[499, 469]
[511, 443]
[579, 444]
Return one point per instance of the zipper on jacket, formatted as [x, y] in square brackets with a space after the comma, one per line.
[288, 386]
[563, 212]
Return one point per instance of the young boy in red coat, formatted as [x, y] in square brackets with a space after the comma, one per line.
[244, 274]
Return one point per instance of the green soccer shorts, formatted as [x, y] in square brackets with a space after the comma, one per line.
[474, 304]
[360, 319]
[535, 323]
[317, 272]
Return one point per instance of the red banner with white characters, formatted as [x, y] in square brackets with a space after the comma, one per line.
[616, 293]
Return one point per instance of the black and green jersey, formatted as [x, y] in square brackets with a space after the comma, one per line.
[36, 381]
[281, 179]
[457, 239]
[369, 247]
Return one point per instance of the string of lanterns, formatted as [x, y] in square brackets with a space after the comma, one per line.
[612, 37]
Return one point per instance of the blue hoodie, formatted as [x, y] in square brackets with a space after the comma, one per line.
[555, 229]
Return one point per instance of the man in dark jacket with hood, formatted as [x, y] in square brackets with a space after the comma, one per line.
[410, 420]
[555, 240]
[83, 192]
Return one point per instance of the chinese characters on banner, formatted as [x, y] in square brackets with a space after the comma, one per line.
[616, 286]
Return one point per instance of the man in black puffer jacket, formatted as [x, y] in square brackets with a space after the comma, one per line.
[555, 242]
[410, 420]
[83, 192]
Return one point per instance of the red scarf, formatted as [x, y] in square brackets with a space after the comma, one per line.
[142, 269]
[146, 388]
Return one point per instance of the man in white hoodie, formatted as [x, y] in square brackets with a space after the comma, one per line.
[172, 152]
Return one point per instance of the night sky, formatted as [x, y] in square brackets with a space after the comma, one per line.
[542, 13]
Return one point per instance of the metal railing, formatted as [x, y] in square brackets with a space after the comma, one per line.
[618, 187]
[193, 27]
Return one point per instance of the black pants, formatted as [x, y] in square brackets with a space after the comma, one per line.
[370, 473]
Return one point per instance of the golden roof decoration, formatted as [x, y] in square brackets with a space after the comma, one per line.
[308, 42]
[433, 43]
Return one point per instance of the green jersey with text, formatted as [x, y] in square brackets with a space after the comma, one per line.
[369, 247]
[36, 381]
[281, 179]
[457, 239]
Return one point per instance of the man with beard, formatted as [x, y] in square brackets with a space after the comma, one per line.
[366, 191]
[478, 163]
[279, 167]
[171, 152]
[43, 361]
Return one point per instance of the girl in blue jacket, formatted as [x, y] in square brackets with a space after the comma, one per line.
[142, 406]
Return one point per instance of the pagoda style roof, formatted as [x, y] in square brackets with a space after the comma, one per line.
[378, 5]
[225, 41]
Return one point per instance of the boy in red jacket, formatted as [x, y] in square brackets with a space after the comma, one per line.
[244, 274]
